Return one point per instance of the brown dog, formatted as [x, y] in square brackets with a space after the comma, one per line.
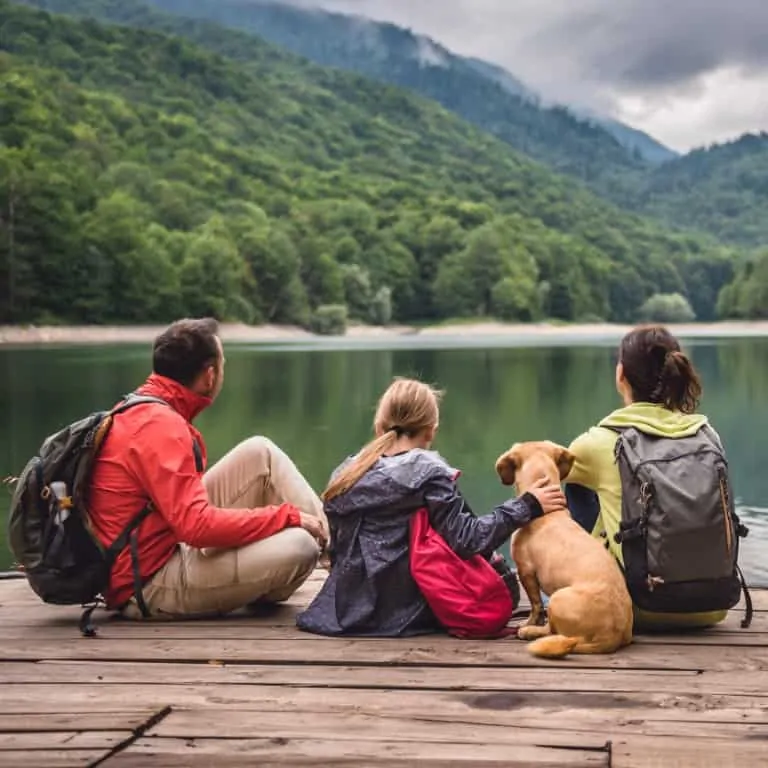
[590, 610]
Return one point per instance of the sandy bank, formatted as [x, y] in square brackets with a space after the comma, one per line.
[238, 333]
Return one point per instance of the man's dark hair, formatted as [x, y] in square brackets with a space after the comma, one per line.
[185, 349]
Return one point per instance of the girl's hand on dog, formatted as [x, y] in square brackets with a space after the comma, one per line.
[550, 496]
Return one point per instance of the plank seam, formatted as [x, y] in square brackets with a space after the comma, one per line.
[136, 734]
[224, 661]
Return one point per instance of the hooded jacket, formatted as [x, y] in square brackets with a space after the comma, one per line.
[370, 590]
[595, 468]
[147, 456]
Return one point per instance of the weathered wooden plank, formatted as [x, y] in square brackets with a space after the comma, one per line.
[430, 651]
[54, 758]
[62, 740]
[677, 752]
[171, 753]
[327, 676]
[349, 725]
[528, 722]
[248, 633]
[699, 706]
[97, 720]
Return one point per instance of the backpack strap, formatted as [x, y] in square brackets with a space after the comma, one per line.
[747, 620]
[132, 399]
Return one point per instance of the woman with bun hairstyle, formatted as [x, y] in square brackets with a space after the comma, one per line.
[660, 390]
[370, 500]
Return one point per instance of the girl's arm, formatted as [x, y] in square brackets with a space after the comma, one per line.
[466, 534]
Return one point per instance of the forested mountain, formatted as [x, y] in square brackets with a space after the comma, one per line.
[145, 175]
[713, 190]
[723, 190]
[632, 139]
[484, 96]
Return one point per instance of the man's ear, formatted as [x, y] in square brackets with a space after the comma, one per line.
[564, 460]
[506, 466]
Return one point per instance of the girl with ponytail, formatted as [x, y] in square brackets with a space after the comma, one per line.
[370, 500]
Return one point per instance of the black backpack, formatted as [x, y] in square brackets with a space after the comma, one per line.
[679, 531]
[49, 529]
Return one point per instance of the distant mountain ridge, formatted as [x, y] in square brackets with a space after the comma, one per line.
[631, 138]
[481, 93]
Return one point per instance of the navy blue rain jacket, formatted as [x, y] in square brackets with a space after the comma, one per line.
[369, 590]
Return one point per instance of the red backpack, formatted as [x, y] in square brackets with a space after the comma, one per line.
[468, 597]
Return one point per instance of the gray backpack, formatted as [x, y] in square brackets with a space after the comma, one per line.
[679, 531]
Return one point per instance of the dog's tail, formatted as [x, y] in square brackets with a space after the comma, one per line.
[553, 646]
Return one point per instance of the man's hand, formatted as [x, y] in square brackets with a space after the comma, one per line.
[316, 527]
[550, 496]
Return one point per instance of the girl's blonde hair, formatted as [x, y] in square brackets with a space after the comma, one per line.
[408, 407]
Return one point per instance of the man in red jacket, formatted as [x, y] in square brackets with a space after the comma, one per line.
[250, 529]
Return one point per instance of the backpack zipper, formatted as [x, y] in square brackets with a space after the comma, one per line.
[726, 513]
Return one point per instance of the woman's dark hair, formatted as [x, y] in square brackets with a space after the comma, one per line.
[185, 349]
[658, 370]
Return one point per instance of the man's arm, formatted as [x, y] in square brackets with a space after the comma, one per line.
[162, 459]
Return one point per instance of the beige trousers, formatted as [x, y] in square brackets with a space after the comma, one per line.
[205, 582]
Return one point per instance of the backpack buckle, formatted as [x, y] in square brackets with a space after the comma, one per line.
[646, 494]
[653, 581]
[742, 531]
[635, 530]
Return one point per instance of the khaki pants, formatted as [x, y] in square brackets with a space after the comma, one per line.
[197, 582]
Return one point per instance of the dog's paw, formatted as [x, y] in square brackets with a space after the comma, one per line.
[532, 631]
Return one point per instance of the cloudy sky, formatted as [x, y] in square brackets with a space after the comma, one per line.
[689, 72]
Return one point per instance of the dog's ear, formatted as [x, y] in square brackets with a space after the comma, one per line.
[564, 460]
[507, 465]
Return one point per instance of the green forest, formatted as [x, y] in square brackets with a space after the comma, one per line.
[182, 168]
[722, 190]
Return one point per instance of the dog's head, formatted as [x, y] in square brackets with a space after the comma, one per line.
[525, 463]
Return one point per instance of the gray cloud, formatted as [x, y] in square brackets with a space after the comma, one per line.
[602, 53]
[652, 43]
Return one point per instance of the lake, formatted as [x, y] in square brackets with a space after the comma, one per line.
[317, 401]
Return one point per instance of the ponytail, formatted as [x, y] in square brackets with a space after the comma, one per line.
[364, 460]
[679, 386]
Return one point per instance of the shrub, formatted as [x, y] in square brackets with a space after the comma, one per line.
[329, 320]
[666, 308]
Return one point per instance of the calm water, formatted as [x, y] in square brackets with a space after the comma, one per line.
[317, 403]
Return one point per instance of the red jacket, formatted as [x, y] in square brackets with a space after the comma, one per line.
[147, 455]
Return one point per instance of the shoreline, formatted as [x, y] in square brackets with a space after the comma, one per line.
[234, 333]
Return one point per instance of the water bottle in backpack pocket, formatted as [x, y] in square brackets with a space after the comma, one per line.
[679, 531]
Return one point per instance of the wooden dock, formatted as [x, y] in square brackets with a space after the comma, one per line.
[254, 691]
